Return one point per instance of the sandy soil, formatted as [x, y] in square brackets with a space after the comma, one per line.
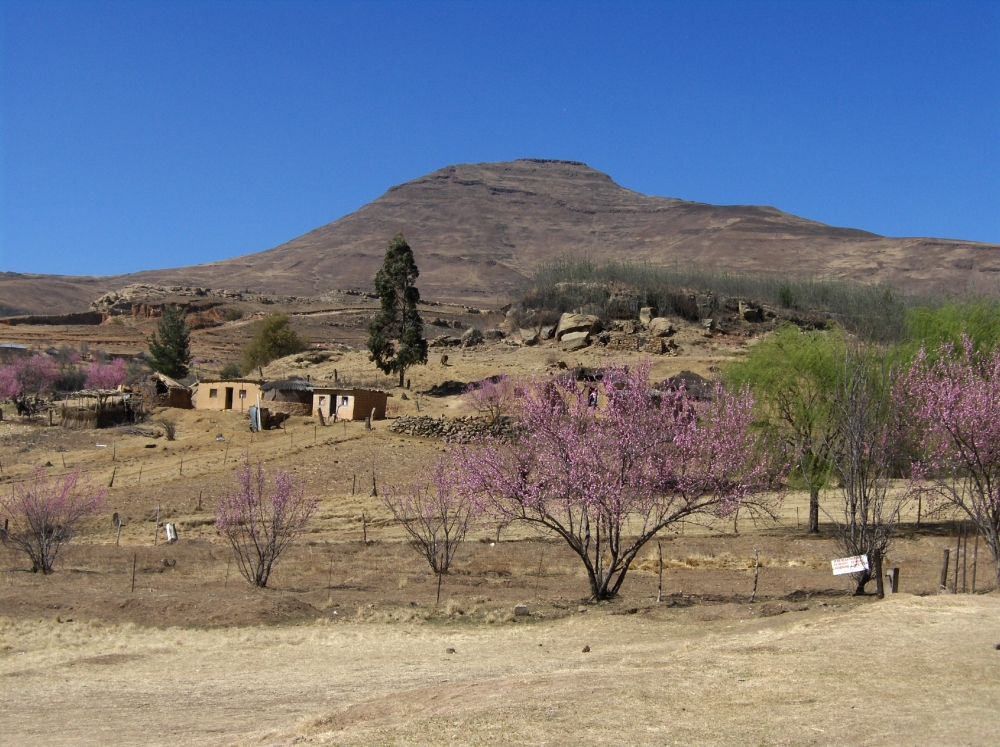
[901, 672]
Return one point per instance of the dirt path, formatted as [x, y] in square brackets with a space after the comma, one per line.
[905, 671]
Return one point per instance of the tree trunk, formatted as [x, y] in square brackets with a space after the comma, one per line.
[863, 580]
[401, 372]
[813, 509]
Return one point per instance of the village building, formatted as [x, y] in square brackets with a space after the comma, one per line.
[162, 391]
[226, 394]
[292, 396]
[338, 403]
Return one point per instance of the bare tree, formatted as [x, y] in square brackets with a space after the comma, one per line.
[865, 446]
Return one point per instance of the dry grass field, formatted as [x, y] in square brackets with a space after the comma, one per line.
[348, 646]
[906, 671]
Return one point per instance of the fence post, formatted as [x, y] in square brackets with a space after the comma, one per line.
[944, 570]
[975, 561]
[879, 587]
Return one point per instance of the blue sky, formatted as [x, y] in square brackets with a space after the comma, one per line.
[138, 135]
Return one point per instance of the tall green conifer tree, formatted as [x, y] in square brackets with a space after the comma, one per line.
[172, 351]
[396, 334]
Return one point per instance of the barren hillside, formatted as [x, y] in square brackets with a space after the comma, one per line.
[478, 229]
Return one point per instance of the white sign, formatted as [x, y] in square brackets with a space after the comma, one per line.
[857, 564]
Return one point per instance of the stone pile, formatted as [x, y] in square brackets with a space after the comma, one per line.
[461, 430]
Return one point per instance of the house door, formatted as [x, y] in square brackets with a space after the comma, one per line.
[229, 398]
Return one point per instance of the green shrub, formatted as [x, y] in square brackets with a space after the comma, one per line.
[274, 339]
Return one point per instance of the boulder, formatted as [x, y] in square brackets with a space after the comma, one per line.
[529, 337]
[751, 313]
[507, 326]
[493, 334]
[521, 610]
[575, 340]
[471, 337]
[546, 333]
[646, 314]
[570, 323]
[661, 327]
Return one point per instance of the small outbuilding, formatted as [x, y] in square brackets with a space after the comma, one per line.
[292, 396]
[162, 391]
[338, 403]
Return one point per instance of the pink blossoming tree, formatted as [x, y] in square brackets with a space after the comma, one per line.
[955, 402]
[492, 398]
[261, 517]
[608, 480]
[436, 517]
[107, 375]
[42, 515]
[26, 376]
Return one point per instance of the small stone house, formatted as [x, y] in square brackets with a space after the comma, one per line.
[337, 403]
[162, 391]
[226, 394]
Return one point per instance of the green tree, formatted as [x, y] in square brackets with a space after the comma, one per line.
[396, 334]
[274, 339]
[794, 377]
[171, 353]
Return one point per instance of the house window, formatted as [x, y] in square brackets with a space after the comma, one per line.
[213, 393]
[243, 393]
[343, 401]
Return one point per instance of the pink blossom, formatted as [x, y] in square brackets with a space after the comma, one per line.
[492, 398]
[435, 515]
[607, 481]
[259, 520]
[107, 376]
[27, 376]
[955, 406]
[41, 515]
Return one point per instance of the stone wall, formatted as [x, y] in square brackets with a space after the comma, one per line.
[453, 430]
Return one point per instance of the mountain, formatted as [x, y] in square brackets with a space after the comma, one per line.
[478, 230]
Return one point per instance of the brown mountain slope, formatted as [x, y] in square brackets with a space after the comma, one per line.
[479, 229]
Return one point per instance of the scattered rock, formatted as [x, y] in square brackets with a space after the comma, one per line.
[529, 337]
[493, 334]
[575, 341]
[521, 610]
[586, 649]
[646, 314]
[751, 313]
[546, 333]
[661, 327]
[403, 396]
[570, 323]
[444, 341]
[444, 359]
[997, 647]
[449, 650]
[150, 446]
[581, 608]
[472, 336]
